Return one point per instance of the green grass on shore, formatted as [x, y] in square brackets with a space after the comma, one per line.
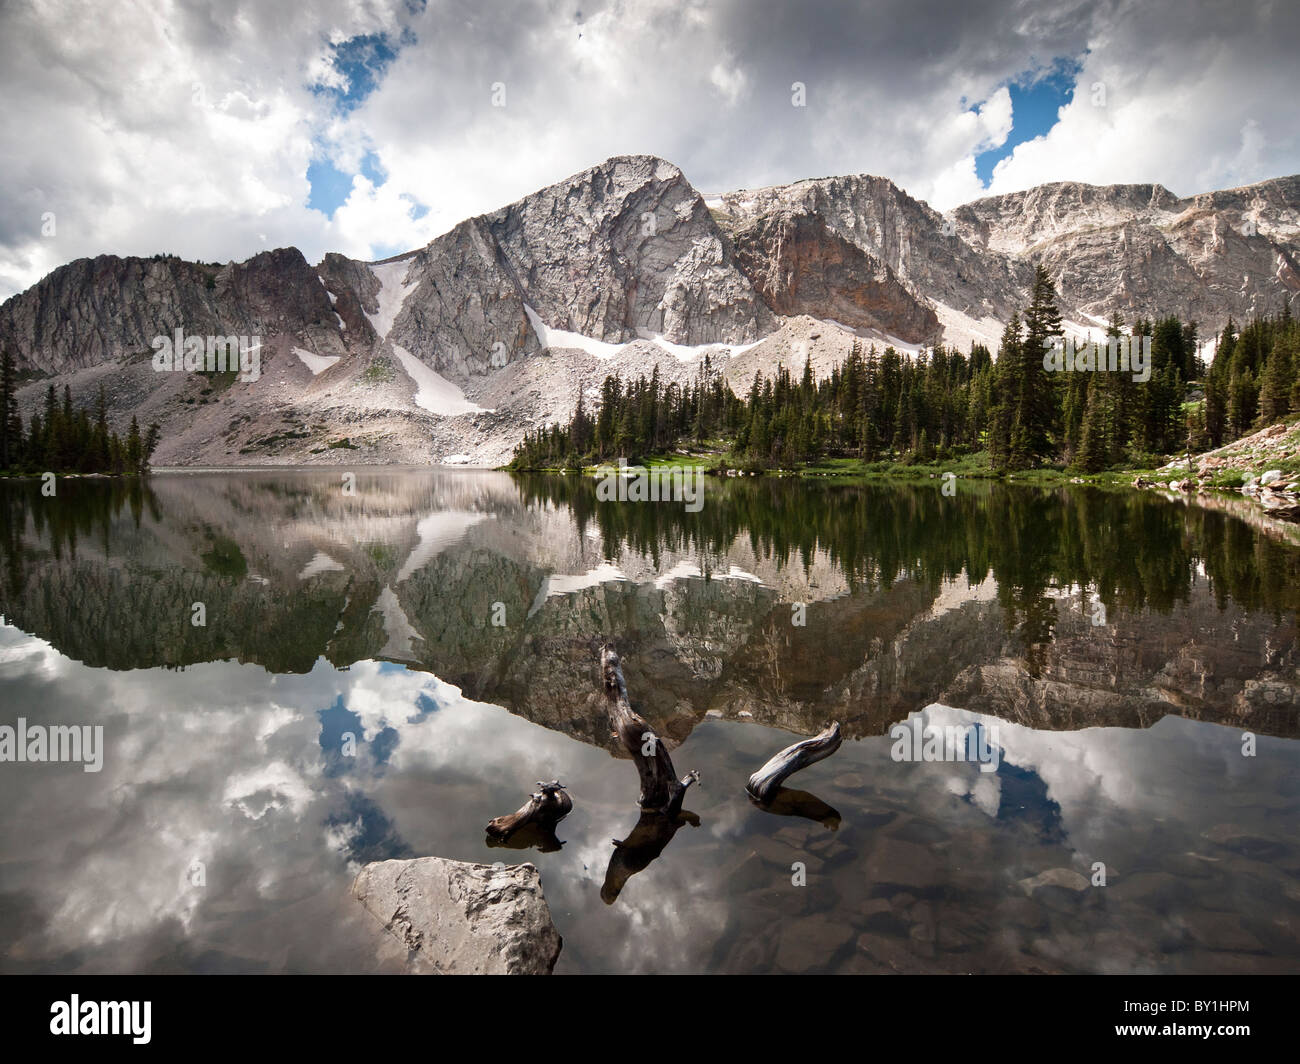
[975, 466]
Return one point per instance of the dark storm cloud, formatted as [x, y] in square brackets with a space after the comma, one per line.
[193, 133]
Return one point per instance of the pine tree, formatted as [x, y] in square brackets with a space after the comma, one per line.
[11, 426]
[151, 440]
[1275, 386]
[1242, 403]
[1002, 408]
[1034, 404]
[134, 447]
[99, 439]
[1216, 411]
[1093, 451]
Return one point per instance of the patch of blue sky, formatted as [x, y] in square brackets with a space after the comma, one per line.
[362, 62]
[1036, 100]
[330, 186]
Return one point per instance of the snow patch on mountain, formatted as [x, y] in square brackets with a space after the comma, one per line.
[602, 349]
[392, 294]
[690, 352]
[961, 330]
[548, 337]
[315, 363]
[433, 392]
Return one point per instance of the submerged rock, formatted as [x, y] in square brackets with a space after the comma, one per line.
[1056, 877]
[458, 918]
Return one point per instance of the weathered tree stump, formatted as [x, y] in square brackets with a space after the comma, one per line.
[764, 784]
[661, 790]
[543, 810]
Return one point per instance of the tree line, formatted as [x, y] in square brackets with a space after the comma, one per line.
[941, 404]
[62, 439]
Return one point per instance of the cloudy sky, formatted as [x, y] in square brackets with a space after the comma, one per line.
[216, 128]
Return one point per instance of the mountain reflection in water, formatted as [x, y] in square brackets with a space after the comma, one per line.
[328, 613]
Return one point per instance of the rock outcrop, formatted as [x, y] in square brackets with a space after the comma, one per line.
[800, 266]
[920, 247]
[457, 918]
[627, 249]
[622, 251]
[105, 309]
[1144, 252]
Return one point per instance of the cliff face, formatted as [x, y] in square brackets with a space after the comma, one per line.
[99, 310]
[800, 266]
[1142, 251]
[626, 249]
[621, 251]
[456, 349]
[912, 239]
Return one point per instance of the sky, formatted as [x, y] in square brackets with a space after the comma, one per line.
[214, 129]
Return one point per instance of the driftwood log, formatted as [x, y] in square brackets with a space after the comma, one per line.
[764, 784]
[536, 818]
[661, 790]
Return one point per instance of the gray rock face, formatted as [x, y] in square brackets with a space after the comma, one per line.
[920, 247]
[355, 292]
[457, 918]
[800, 266]
[624, 247]
[463, 300]
[1135, 249]
[1142, 251]
[97, 310]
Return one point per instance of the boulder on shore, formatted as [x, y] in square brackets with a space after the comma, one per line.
[459, 918]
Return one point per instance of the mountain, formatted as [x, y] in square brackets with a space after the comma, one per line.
[451, 352]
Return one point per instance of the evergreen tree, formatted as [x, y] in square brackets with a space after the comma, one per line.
[1034, 405]
[1094, 450]
[1002, 412]
[134, 447]
[1275, 387]
[11, 426]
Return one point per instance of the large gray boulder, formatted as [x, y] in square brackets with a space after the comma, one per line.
[458, 918]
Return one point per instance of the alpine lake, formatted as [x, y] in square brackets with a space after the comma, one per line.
[296, 674]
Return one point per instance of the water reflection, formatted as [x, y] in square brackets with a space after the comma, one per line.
[989, 600]
[372, 615]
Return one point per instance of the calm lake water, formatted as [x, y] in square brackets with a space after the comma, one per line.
[1124, 651]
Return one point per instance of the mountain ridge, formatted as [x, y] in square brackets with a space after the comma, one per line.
[452, 350]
